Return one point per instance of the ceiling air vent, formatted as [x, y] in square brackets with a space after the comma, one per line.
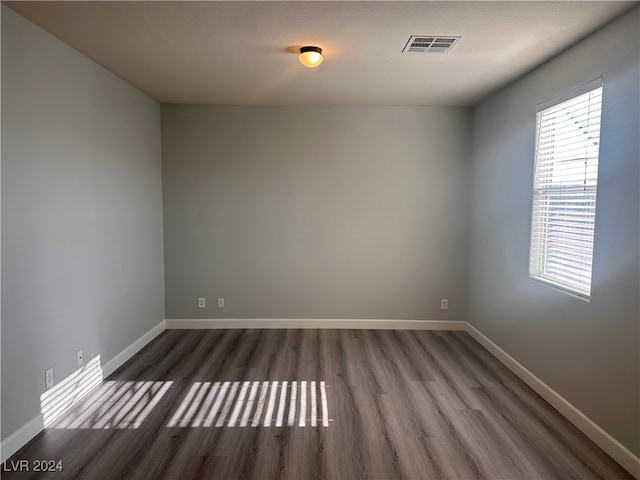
[430, 44]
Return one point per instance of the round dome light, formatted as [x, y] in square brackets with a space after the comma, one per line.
[310, 56]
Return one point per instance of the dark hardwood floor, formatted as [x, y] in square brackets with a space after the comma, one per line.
[394, 404]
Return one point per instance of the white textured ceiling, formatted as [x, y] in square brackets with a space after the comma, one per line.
[245, 52]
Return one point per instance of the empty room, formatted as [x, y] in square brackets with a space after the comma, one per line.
[308, 240]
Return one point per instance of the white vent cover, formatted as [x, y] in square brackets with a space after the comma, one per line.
[430, 44]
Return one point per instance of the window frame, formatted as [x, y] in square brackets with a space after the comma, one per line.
[540, 229]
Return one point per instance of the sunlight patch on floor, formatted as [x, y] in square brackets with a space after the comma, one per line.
[253, 404]
[115, 405]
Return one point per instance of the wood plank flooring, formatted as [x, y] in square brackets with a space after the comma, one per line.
[399, 404]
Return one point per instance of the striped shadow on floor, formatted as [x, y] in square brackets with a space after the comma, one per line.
[254, 404]
[113, 405]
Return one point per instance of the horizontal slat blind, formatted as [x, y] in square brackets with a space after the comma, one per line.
[564, 192]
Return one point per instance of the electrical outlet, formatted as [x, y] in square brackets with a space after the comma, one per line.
[444, 304]
[79, 358]
[48, 378]
[221, 303]
[202, 302]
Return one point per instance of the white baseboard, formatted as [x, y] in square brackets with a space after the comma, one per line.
[606, 442]
[121, 358]
[29, 430]
[314, 323]
[20, 437]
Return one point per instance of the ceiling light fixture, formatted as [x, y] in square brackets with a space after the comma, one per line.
[310, 56]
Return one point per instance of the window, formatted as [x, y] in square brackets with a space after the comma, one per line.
[564, 189]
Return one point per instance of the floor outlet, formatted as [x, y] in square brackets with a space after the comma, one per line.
[48, 378]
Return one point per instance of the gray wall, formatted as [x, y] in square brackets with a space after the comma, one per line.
[315, 212]
[81, 214]
[588, 352]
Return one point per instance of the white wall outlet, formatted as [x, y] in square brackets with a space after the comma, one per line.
[79, 358]
[444, 304]
[48, 378]
[221, 303]
[202, 302]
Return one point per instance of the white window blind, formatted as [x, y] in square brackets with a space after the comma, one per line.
[564, 190]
